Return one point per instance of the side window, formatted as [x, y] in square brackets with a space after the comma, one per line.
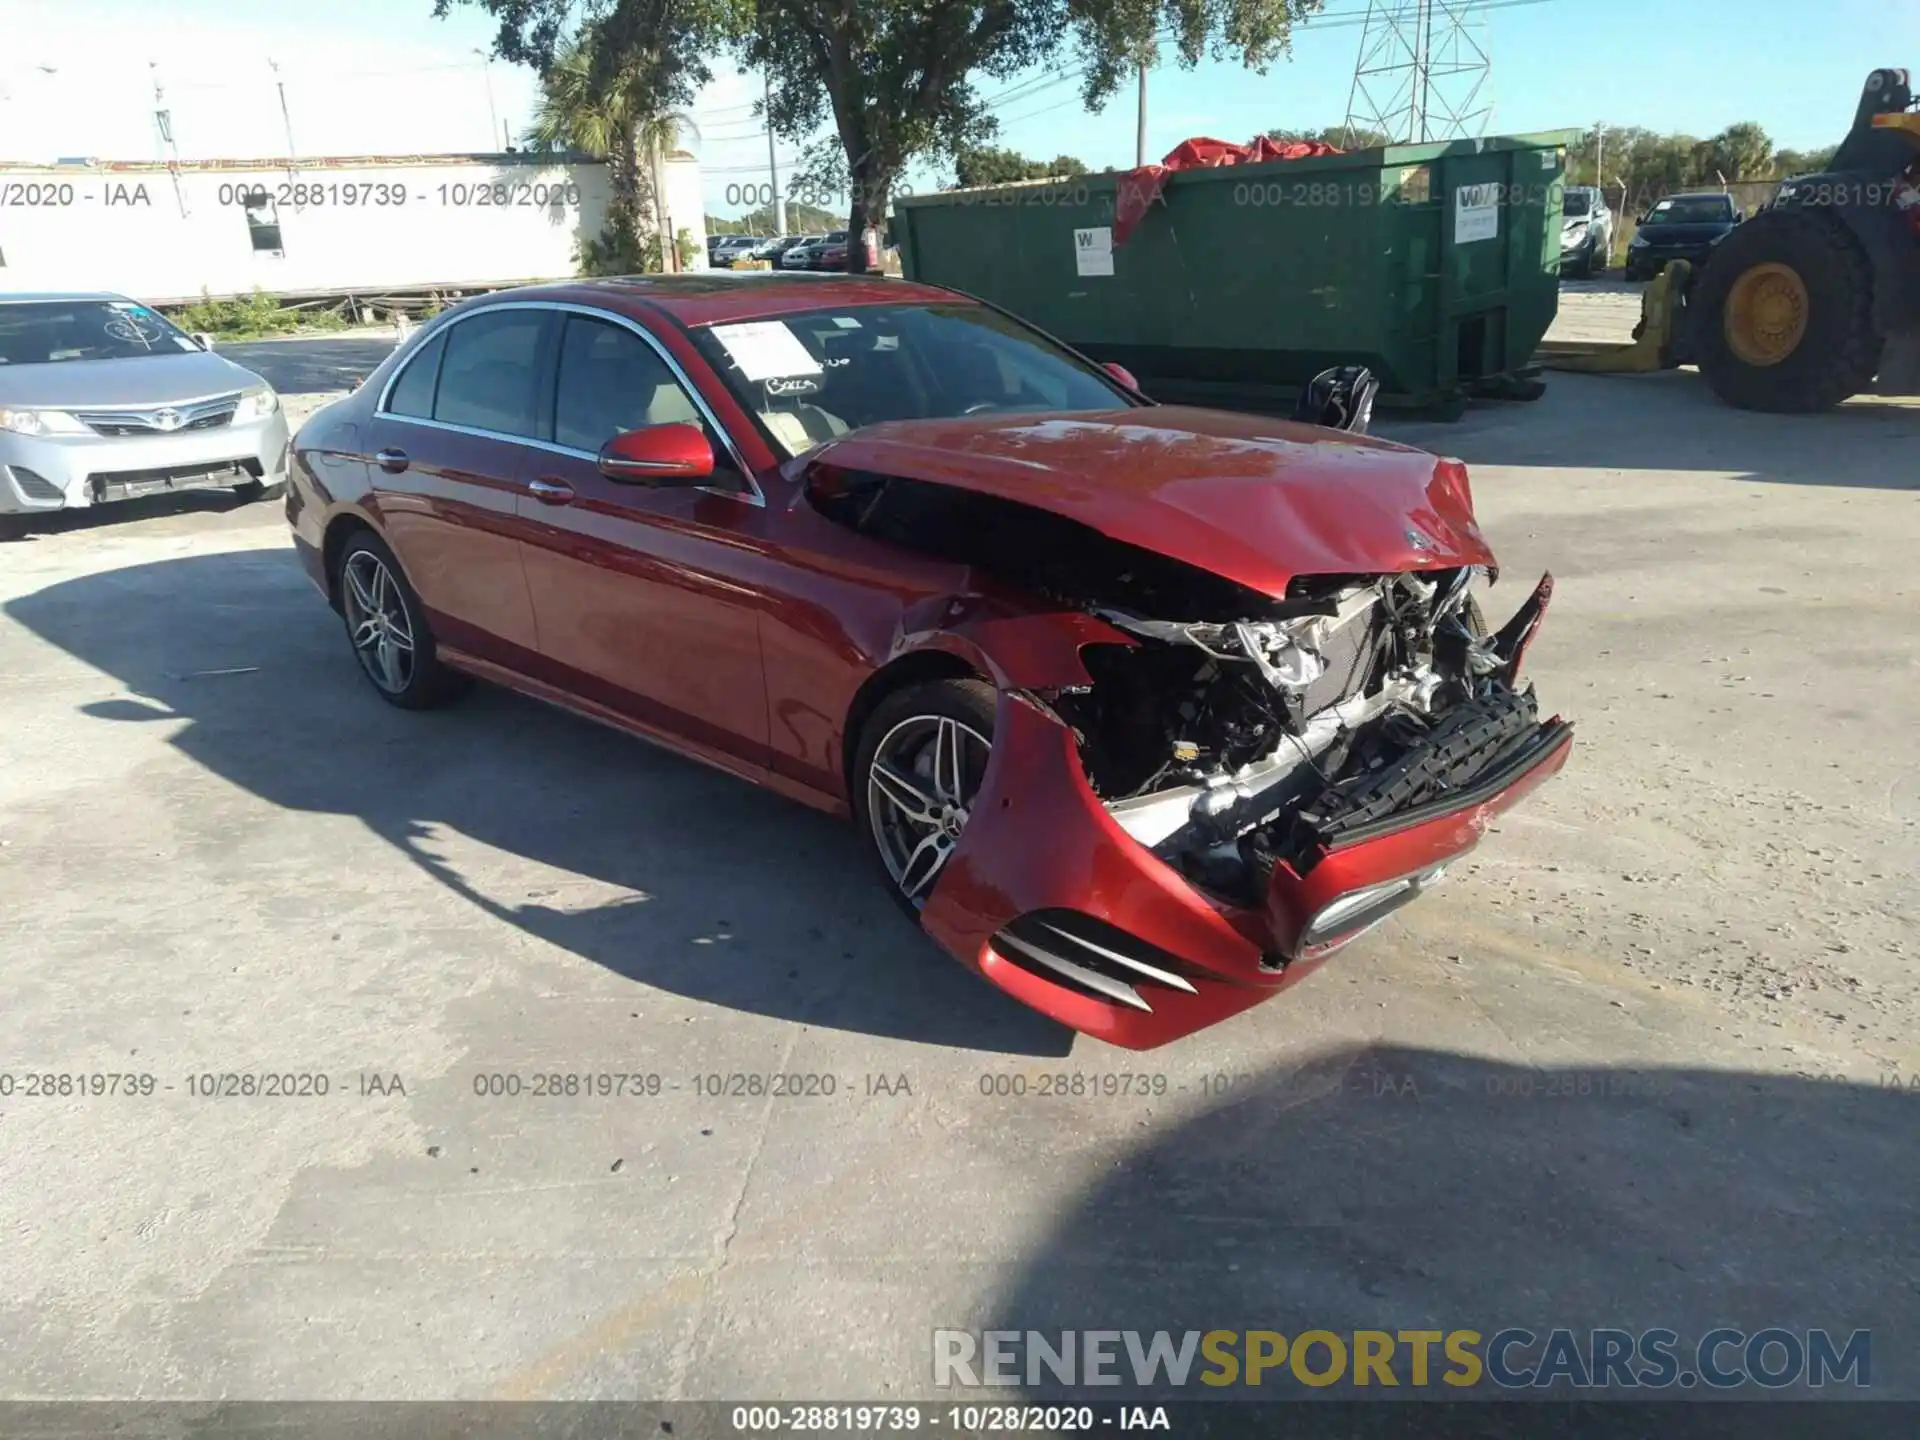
[611, 380]
[487, 376]
[412, 393]
[263, 223]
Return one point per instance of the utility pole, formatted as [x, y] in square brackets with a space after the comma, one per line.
[1600, 155]
[286, 120]
[486, 71]
[1140, 131]
[773, 166]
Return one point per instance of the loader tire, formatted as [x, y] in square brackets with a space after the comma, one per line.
[1783, 315]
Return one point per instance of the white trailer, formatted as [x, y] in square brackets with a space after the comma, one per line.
[364, 225]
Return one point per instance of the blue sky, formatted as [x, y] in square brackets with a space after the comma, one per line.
[383, 76]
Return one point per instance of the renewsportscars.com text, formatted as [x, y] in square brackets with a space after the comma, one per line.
[1511, 1359]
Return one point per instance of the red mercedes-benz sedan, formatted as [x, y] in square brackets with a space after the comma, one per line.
[1143, 710]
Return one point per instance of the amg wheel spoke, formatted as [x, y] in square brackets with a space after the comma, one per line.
[949, 762]
[905, 795]
[357, 584]
[389, 663]
[366, 632]
[926, 861]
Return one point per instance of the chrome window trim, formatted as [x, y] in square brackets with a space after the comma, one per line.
[752, 495]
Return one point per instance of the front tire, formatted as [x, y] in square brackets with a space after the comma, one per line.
[1783, 315]
[918, 768]
[387, 628]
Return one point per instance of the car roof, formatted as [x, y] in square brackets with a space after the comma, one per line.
[712, 297]
[1698, 195]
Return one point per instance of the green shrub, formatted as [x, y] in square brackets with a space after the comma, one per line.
[248, 317]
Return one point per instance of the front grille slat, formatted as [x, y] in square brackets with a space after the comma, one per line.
[199, 415]
[34, 485]
[1092, 956]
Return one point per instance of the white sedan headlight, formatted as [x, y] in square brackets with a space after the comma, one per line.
[40, 422]
[256, 405]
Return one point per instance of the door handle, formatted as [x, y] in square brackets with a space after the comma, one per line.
[391, 461]
[550, 492]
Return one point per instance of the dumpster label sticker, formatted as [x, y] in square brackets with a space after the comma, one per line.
[1093, 251]
[765, 349]
[1476, 213]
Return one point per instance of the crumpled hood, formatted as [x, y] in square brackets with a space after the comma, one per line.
[163, 378]
[1255, 500]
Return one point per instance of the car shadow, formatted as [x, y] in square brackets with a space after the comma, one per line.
[657, 868]
[1672, 420]
[121, 512]
[1393, 1189]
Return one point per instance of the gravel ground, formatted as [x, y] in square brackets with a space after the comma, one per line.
[1644, 1060]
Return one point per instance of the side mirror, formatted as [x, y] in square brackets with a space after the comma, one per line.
[1122, 374]
[677, 454]
[1738, 216]
[202, 339]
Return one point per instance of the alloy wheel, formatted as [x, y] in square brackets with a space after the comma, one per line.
[377, 622]
[924, 776]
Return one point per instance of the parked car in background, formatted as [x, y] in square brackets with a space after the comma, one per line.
[779, 245]
[800, 257]
[102, 398]
[1586, 232]
[1141, 711]
[1680, 227]
[723, 250]
[833, 254]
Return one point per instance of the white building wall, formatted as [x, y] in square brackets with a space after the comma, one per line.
[364, 224]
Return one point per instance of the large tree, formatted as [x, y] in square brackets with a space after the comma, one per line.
[616, 79]
[1739, 152]
[897, 79]
[1338, 136]
[986, 165]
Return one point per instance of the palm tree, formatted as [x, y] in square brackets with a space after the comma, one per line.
[592, 102]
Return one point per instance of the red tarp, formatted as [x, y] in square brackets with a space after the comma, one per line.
[1140, 188]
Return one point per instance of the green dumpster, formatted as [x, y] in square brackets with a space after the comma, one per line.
[1437, 266]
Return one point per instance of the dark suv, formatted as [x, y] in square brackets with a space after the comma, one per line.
[1680, 227]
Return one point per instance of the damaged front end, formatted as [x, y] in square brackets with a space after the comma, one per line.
[1238, 749]
[1241, 782]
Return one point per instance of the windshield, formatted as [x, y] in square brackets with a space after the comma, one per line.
[44, 332]
[1691, 210]
[810, 377]
[1577, 204]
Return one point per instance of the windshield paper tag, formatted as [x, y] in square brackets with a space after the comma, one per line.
[765, 350]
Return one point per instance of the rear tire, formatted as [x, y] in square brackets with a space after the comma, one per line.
[387, 628]
[1830, 351]
[929, 744]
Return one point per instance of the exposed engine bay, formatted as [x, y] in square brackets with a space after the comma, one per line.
[1242, 732]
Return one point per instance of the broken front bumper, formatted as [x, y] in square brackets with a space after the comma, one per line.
[1053, 902]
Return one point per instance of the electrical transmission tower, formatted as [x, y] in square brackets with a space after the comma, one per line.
[1423, 71]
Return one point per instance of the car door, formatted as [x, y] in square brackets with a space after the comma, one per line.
[646, 599]
[448, 447]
